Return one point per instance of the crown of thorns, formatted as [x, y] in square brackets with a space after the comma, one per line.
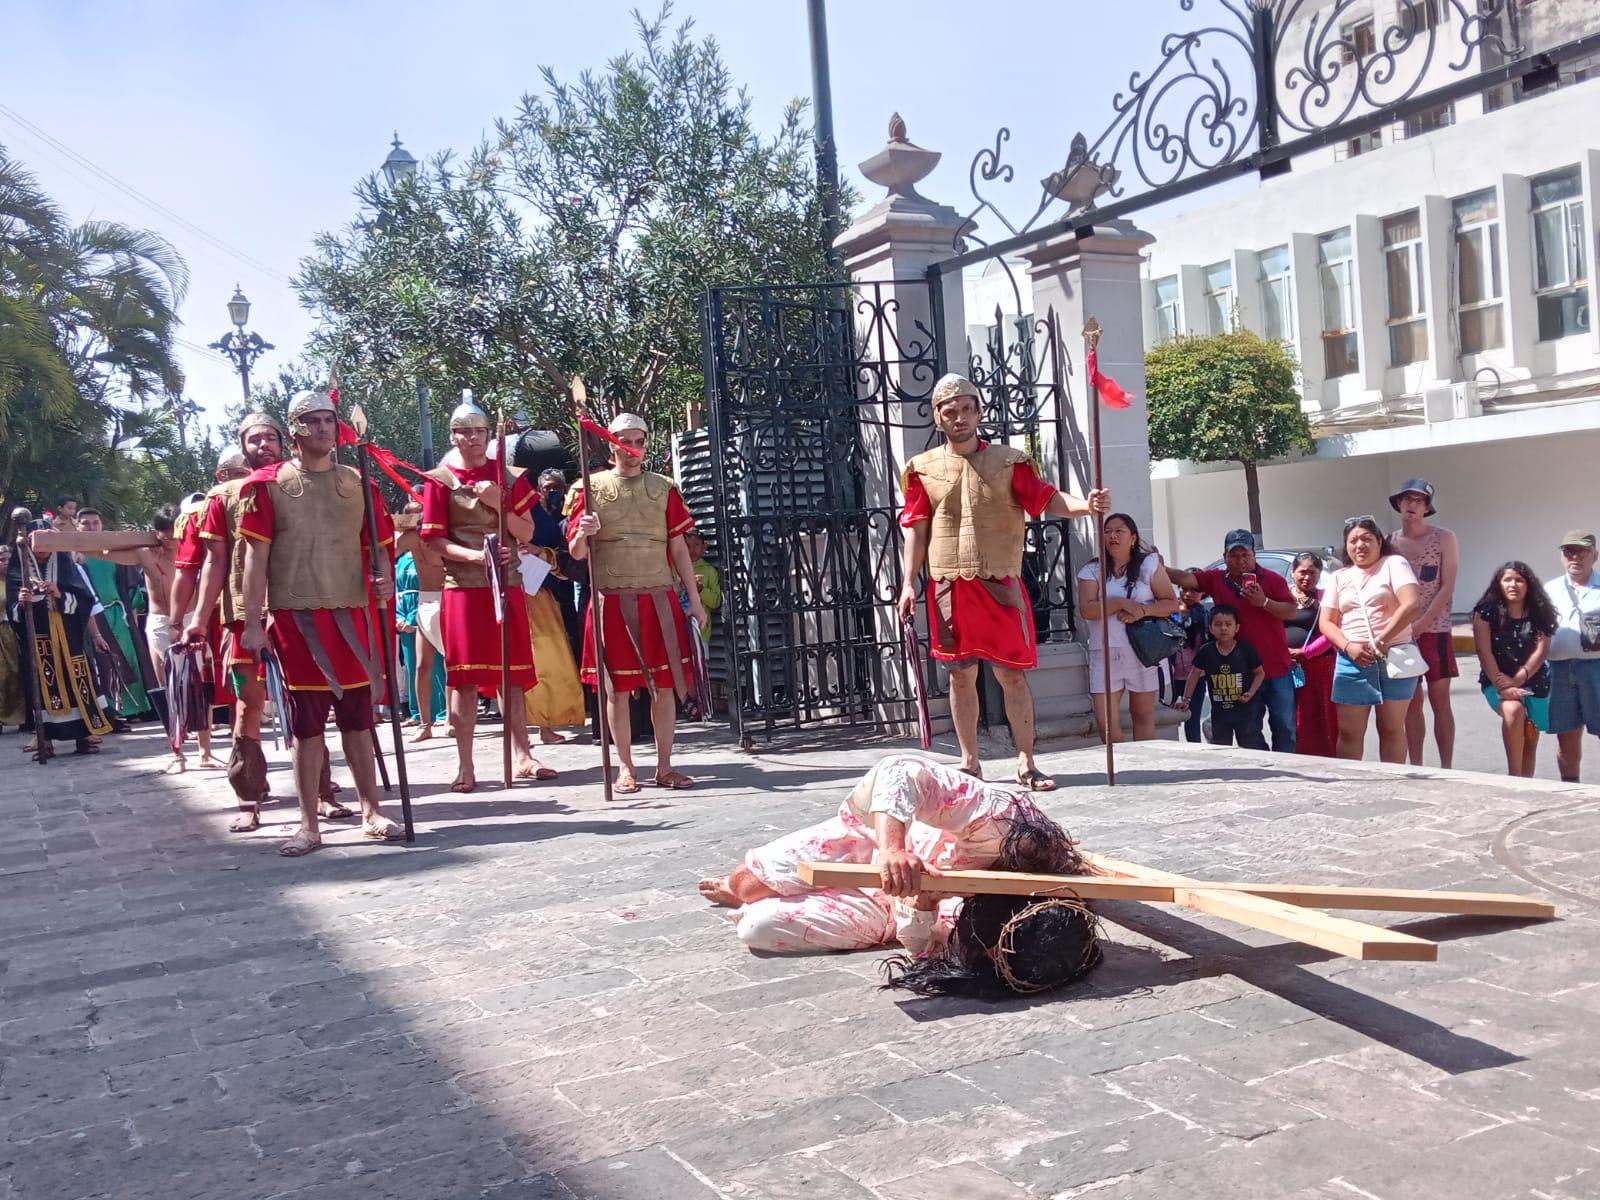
[1004, 946]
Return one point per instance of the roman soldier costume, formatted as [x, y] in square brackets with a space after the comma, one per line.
[452, 512]
[977, 506]
[317, 578]
[646, 635]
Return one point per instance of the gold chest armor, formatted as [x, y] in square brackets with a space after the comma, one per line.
[316, 543]
[978, 527]
[469, 522]
[630, 551]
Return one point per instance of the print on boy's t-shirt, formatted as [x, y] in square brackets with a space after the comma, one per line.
[1228, 675]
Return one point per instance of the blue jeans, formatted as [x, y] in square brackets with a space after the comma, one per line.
[1278, 695]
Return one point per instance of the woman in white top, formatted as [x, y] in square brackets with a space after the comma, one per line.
[1367, 609]
[1139, 588]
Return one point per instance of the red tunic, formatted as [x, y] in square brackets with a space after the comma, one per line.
[981, 626]
[234, 657]
[300, 670]
[191, 556]
[624, 670]
[466, 615]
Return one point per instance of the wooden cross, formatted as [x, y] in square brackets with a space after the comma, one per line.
[107, 541]
[1285, 909]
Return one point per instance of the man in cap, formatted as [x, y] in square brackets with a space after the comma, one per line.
[1264, 602]
[966, 508]
[1434, 556]
[1575, 651]
[308, 554]
[261, 445]
[630, 524]
[460, 509]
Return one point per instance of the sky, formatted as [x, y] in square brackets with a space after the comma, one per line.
[245, 128]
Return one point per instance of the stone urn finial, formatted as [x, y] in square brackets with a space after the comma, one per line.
[900, 165]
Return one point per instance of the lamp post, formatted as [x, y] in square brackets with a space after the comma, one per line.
[400, 167]
[244, 348]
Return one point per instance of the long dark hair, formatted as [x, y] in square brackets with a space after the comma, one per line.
[1136, 554]
[1385, 547]
[1004, 946]
[1540, 610]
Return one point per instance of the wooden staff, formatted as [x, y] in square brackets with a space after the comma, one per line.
[502, 477]
[384, 634]
[1091, 339]
[580, 401]
[26, 571]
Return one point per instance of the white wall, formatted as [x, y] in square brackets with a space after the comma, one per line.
[1509, 499]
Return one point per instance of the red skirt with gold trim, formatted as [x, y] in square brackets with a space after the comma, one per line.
[989, 619]
[300, 670]
[623, 669]
[472, 640]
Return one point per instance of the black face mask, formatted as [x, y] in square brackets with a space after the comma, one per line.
[553, 498]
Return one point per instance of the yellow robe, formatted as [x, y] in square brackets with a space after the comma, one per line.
[557, 699]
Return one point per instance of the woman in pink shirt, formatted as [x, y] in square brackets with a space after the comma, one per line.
[1367, 609]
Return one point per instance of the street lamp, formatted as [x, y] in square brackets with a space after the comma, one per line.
[244, 348]
[399, 166]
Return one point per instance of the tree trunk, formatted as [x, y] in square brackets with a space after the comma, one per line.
[1252, 491]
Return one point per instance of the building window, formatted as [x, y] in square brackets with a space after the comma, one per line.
[1402, 269]
[1480, 307]
[1169, 309]
[1336, 266]
[1440, 116]
[1560, 266]
[1219, 297]
[1420, 15]
[1362, 143]
[1277, 295]
[1358, 41]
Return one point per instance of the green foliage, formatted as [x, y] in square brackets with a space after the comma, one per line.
[1229, 396]
[89, 377]
[577, 240]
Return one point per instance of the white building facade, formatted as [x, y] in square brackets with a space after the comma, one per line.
[1435, 280]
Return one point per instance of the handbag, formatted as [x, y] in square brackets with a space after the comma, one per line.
[1404, 662]
[1588, 623]
[1155, 639]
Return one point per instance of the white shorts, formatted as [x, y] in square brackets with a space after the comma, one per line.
[429, 605]
[1128, 674]
[160, 631]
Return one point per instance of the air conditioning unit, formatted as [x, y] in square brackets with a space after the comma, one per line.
[1451, 402]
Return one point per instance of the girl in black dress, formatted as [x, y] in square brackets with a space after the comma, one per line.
[1511, 627]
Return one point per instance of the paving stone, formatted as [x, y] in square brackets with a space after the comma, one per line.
[1331, 1089]
[1105, 1152]
[1207, 1099]
[1509, 1161]
[958, 1181]
[662, 1081]
[791, 1176]
[799, 1128]
[1036, 1084]
[646, 1175]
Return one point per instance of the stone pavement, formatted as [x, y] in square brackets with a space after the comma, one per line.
[533, 1003]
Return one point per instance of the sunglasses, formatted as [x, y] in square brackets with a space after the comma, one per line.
[1365, 519]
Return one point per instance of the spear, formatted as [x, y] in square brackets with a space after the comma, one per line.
[1091, 339]
[580, 401]
[358, 419]
[501, 477]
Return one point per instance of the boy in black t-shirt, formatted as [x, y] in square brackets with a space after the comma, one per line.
[1233, 672]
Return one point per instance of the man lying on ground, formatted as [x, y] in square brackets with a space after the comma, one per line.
[913, 816]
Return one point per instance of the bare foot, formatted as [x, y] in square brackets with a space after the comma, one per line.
[423, 734]
[550, 737]
[716, 890]
[209, 763]
[332, 810]
[176, 767]
[465, 782]
[627, 783]
[248, 821]
[303, 842]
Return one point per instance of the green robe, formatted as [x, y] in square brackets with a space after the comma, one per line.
[103, 576]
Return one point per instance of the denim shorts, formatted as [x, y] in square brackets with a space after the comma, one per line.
[1367, 686]
[1575, 695]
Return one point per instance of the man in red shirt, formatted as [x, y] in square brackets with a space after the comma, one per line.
[966, 510]
[1264, 602]
[307, 553]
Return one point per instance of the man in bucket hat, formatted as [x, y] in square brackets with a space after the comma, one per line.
[1575, 651]
[1434, 557]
